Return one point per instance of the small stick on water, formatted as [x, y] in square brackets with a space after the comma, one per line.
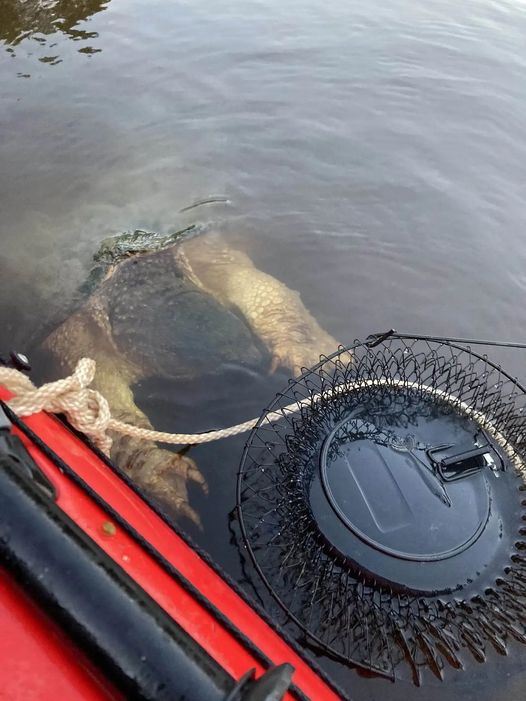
[210, 200]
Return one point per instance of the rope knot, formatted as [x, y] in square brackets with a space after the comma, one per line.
[86, 409]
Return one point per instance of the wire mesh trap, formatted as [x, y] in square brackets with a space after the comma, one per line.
[381, 499]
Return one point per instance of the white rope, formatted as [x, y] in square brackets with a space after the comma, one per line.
[86, 409]
[89, 412]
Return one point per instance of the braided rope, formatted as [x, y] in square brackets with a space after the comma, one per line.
[89, 412]
[181, 438]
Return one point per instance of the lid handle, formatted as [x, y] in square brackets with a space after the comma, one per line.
[454, 462]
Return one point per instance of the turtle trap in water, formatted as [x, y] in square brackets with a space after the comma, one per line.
[382, 501]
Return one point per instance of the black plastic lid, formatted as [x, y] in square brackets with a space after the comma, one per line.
[381, 498]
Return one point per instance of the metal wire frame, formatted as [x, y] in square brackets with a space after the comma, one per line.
[345, 614]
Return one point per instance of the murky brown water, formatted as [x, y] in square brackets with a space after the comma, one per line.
[374, 155]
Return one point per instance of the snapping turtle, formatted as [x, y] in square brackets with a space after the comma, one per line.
[174, 307]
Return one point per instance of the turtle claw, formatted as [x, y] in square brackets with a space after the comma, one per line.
[293, 359]
[192, 515]
[298, 355]
[188, 470]
[165, 474]
[184, 509]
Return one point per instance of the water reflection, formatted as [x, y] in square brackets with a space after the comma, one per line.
[375, 154]
[42, 20]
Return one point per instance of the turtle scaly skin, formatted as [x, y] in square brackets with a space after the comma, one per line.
[176, 307]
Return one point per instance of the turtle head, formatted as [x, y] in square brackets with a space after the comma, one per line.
[116, 248]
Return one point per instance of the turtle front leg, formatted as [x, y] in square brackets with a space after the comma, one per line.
[162, 473]
[274, 312]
